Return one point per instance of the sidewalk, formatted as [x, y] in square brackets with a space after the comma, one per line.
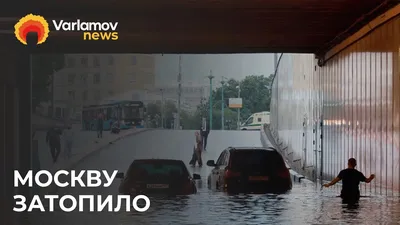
[84, 144]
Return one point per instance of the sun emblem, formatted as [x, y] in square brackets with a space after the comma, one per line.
[32, 23]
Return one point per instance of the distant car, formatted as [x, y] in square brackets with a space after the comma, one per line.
[158, 176]
[254, 170]
[256, 121]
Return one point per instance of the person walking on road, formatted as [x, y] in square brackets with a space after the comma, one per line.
[198, 148]
[205, 134]
[68, 137]
[100, 123]
[54, 142]
[351, 179]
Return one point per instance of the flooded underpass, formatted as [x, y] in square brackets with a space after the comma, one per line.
[306, 203]
[303, 205]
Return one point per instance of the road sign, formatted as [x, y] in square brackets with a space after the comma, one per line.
[235, 103]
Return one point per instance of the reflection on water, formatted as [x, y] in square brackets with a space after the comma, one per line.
[305, 204]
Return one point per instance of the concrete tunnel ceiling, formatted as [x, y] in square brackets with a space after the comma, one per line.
[210, 26]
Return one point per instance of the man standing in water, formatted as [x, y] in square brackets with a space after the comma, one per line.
[351, 179]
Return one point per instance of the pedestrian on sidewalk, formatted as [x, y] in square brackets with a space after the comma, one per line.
[68, 137]
[100, 124]
[205, 133]
[54, 142]
[351, 179]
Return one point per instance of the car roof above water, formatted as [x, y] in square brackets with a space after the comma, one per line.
[270, 149]
[158, 160]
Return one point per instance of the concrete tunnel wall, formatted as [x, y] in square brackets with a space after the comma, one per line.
[357, 94]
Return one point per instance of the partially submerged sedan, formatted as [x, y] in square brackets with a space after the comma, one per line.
[158, 176]
[254, 170]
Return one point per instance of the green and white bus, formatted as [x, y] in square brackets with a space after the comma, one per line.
[128, 113]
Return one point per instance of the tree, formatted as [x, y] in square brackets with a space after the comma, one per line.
[203, 108]
[154, 113]
[169, 110]
[193, 121]
[254, 91]
[190, 121]
[43, 66]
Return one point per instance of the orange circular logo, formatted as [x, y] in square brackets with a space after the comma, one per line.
[32, 23]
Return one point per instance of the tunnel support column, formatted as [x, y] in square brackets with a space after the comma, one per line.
[9, 141]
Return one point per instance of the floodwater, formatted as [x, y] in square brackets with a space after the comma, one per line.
[303, 205]
[306, 203]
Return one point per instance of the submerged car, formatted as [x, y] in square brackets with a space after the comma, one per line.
[251, 170]
[158, 176]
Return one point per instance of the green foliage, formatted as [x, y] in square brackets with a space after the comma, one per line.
[190, 121]
[254, 92]
[43, 66]
[154, 113]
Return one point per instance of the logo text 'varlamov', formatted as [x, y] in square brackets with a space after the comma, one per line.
[84, 26]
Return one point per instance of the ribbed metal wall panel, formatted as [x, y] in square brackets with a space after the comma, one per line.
[357, 93]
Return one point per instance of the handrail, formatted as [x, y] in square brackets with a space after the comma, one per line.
[276, 70]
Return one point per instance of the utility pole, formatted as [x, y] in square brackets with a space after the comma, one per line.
[210, 98]
[162, 108]
[178, 122]
[52, 90]
[238, 110]
[222, 105]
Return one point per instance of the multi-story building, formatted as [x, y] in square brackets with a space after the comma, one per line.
[88, 79]
[191, 95]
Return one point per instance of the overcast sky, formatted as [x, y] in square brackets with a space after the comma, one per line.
[195, 68]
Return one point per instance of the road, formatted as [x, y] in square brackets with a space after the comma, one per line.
[305, 204]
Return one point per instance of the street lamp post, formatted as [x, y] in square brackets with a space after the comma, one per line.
[222, 105]
[210, 99]
[162, 107]
[178, 122]
[52, 89]
[238, 110]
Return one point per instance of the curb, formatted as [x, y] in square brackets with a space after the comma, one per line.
[265, 140]
[101, 148]
[54, 189]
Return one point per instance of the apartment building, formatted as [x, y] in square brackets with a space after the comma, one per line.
[87, 79]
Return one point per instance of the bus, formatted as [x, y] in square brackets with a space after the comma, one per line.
[129, 114]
